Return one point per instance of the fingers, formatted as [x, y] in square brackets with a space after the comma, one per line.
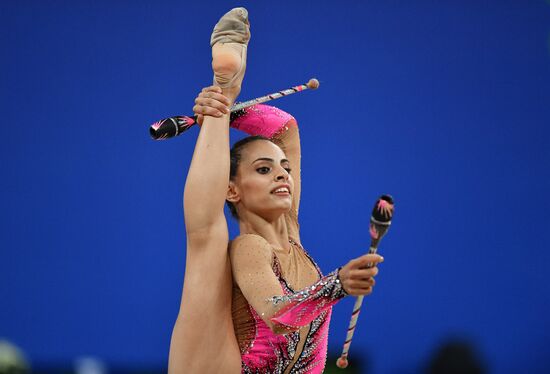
[361, 287]
[361, 282]
[359, 291]
[367, 260]
[215, 94]
[212, 89]
[206, 110]
[211, 102]
[357, 276]
[363, 273]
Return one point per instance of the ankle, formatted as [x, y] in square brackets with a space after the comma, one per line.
[231, 93]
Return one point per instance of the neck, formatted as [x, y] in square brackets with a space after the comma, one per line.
[275, 232]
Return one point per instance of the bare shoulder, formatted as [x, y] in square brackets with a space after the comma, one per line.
[250, 246]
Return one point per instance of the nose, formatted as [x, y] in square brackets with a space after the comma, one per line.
[281, 175]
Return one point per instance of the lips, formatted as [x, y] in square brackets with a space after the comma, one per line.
[281, 190]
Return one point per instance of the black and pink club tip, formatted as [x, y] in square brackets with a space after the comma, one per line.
[383, 209]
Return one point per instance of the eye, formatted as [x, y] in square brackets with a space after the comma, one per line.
[288, 170]
[263, 170]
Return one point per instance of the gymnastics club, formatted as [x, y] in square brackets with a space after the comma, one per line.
[380, 222]
[174, 126]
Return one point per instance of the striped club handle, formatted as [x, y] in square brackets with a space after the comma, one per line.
[342, 361]
[380, 222]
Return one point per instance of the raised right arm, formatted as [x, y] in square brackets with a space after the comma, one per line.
[206, 184]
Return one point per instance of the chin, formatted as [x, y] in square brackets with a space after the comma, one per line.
[283, 209]
[275, 211]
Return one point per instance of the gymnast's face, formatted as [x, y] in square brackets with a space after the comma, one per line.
[263, 185]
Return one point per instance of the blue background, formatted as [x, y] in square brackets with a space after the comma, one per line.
[445, 105]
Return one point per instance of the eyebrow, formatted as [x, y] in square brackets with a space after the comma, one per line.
[269, 159]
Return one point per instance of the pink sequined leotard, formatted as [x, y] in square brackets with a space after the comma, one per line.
[300, 342]
[281, 302]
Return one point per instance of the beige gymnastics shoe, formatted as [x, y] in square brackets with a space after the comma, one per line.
[229, 43]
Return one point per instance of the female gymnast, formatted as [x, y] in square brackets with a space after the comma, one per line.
[259, 304]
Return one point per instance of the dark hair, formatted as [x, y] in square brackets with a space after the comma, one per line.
[235, 157]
